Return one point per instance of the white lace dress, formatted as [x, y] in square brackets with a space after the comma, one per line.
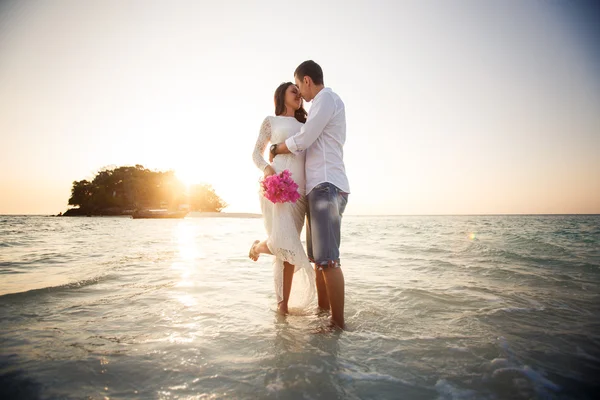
[284, 221]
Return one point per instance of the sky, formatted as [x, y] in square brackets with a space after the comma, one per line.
[452, 107]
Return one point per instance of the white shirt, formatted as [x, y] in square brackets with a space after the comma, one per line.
[323, 137]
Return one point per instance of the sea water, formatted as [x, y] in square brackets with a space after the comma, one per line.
[437, 307]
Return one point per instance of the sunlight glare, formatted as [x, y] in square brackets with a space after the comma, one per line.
[189, 252]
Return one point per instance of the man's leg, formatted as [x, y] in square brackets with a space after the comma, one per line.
[322, 290]
[327, 205]
[322, 298]
[334, 281]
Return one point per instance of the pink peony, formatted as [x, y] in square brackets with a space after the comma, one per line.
[280, 188]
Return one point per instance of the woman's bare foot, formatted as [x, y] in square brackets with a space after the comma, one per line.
[253, 254]
[282, 309]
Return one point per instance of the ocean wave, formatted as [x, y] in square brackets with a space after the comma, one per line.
[352, 372]
[448, 391]
[532, 252]
[515, 310]
[486, 250]
[53, 289]
[10, 271]
[535, 377]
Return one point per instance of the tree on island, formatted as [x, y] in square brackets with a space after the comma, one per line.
[204, 198]
[123, 190]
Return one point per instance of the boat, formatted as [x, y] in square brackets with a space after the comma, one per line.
[158, 214]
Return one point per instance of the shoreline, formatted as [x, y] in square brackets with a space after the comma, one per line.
[200, 214]
[192, 214]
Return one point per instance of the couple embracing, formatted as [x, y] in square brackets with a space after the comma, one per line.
[311, 148]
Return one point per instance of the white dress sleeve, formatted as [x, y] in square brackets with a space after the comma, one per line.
[264, 137]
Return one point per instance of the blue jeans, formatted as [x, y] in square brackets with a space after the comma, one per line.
[326, 204]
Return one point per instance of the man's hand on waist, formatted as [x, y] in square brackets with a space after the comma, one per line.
[276, 149]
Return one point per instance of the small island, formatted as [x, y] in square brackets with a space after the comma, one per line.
[139, 191]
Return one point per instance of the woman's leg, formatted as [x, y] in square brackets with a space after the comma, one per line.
[288, 275]
[258, 248]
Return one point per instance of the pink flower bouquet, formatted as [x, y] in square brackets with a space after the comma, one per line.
[280, 188]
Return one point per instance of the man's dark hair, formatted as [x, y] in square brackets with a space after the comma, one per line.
[311, 69]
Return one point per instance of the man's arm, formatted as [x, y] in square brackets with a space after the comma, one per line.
[280, 148]
[320, 114]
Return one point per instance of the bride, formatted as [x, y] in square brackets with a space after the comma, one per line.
[284, 221]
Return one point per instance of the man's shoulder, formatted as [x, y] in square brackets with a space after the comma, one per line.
[337, 100]
[331, 96]
[327, 91]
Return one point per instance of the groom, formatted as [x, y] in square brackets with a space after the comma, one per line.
[322, 137]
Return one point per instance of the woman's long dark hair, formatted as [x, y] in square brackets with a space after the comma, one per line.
[279, 98]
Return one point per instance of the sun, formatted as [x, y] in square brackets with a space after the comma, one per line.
[186, 177]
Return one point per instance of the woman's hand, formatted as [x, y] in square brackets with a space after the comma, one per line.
[269, 171]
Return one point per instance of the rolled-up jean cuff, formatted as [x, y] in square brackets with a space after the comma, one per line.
[321, 265]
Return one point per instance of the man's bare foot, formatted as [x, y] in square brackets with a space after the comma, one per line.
[329, 328]
[334, 326]
[252, 253]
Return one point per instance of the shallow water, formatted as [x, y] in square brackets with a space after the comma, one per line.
[491, 307]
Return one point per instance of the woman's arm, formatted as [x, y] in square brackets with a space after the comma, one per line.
[264, 137]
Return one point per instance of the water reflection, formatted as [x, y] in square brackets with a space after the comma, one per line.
[304, 361]
[185, 235]
[189, 251]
